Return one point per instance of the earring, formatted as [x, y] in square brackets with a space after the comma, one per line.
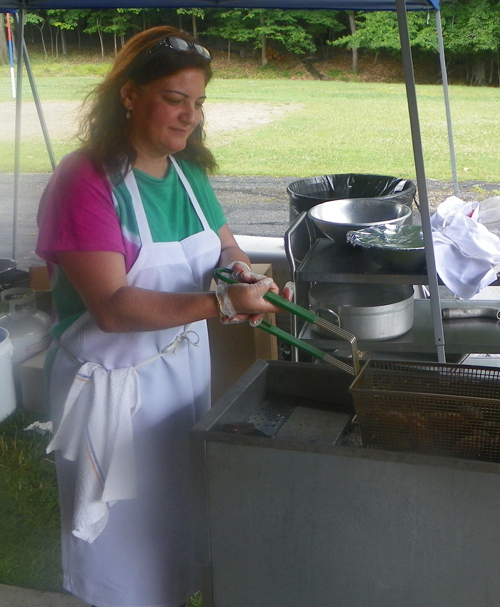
[128, 115]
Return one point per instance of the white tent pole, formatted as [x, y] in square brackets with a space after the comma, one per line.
[17, 139]
[421, 179]
[444, 76]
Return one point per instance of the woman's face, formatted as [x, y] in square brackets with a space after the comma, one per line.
[164, 112]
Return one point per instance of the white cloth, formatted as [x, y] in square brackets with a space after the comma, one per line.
[96, 431]
[144, 555]
[466, 252]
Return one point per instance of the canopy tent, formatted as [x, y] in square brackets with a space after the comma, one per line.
[356, 5]
[400, 6]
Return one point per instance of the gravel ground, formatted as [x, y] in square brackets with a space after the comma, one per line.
[255, 206]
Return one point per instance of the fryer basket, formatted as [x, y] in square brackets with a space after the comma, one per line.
[433, 408]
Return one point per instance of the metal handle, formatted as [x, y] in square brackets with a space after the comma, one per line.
[329, 310]
[457, 313]
[289, 306]
[309, 316]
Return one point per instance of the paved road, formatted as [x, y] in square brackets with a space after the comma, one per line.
[256, 206]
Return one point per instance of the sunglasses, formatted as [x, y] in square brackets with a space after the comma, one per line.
[179, 44]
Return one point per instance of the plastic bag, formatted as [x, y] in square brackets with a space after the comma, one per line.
[396, 238]
[466, 251]
[489, 214]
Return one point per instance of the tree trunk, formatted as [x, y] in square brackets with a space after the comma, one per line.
[263, 44]
[101, 40]
[4, 51]
[63, 43]
[195, 28]
[42, 38]
[317, 75]
[115, 42]
[352, 23]
[478, 72]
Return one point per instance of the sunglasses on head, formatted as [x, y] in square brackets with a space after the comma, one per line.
[179, 44]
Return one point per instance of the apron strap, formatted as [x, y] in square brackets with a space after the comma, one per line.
[187, 334]
[140, 213]
[191, 194]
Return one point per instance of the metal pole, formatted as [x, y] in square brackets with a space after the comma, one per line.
[444, 76]
[17, 140]
[421, 179]
[39, 109]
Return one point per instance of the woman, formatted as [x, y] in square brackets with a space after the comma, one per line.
[131, 231]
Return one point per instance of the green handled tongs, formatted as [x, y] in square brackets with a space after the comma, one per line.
[225, 274]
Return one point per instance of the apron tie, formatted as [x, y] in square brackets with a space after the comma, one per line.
[185, 335]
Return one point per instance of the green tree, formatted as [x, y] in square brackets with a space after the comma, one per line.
[471, 31]
[196, 13]
[36, 20]
[97, 23]
[471, 34]
[322, 25]
[65, 20]
[259, 26]
[121, 21]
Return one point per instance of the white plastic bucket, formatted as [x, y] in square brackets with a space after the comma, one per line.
[7, 391]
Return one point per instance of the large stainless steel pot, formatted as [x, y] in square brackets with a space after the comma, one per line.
[373, 312]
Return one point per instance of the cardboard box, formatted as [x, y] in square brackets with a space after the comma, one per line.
[39, 281]
[39, 278]
[234, 348]
[32, 383]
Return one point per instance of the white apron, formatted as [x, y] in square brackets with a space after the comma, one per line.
[144, 555]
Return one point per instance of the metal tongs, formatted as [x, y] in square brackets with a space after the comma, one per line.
[224, 274]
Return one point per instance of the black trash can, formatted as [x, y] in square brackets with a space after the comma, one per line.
[306, 193]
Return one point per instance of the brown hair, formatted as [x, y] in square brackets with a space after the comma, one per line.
[103, 130]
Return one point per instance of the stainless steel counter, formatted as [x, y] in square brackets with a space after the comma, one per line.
[298, 521]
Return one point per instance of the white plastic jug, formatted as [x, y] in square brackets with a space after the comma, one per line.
[29, 329]
[7, 392]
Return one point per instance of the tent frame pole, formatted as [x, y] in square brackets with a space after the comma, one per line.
[23, 59]
[421, 179]
[446, 93]
[38, 105]
[17, 138]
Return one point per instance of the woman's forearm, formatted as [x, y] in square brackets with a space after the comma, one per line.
[135, 309]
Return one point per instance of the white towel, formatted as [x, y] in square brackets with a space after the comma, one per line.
[466, 252]
[96, 431]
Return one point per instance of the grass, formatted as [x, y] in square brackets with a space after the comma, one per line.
[30, 553]
[334, 127]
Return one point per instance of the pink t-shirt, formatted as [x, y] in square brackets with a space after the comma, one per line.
[90, 225]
